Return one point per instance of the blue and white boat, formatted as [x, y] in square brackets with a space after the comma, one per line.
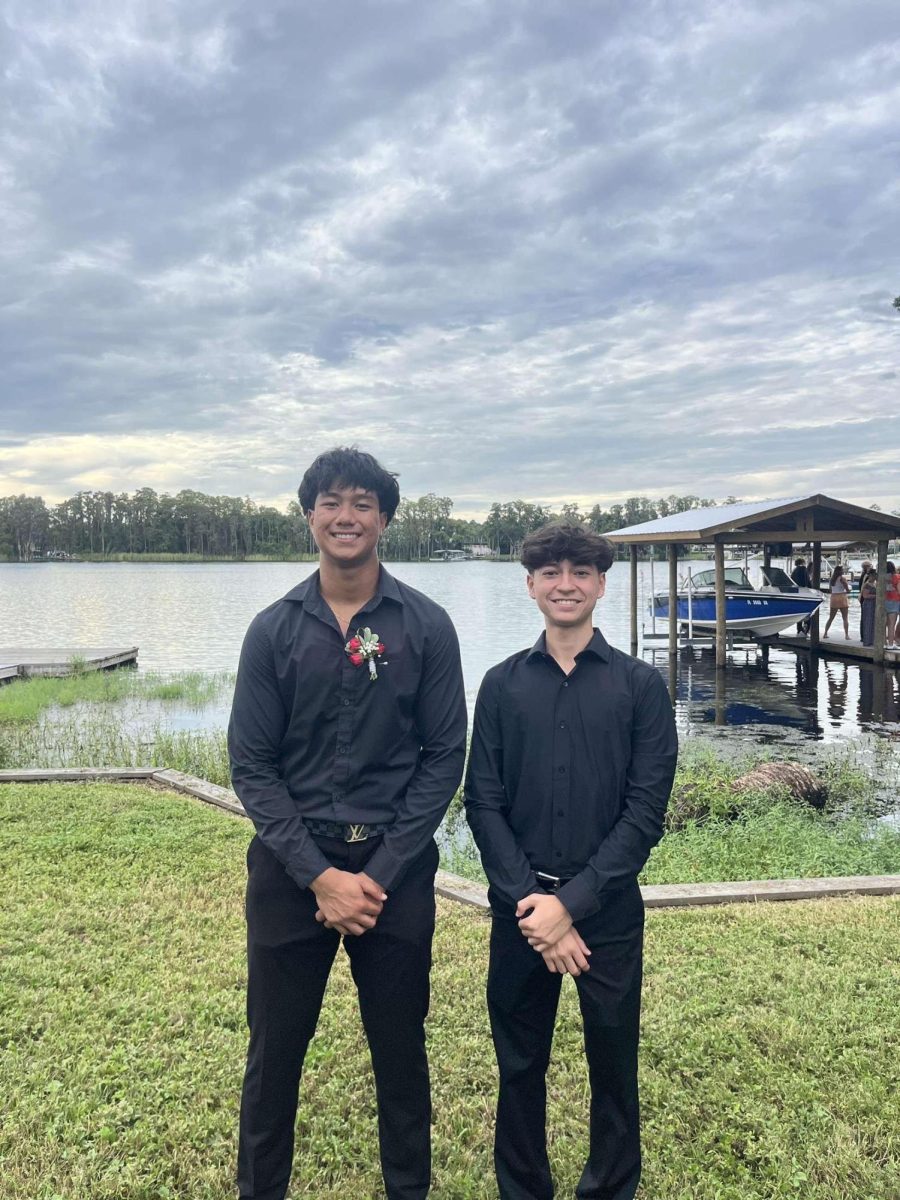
[759, 611]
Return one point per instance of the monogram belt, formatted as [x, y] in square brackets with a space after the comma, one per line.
[343, 833]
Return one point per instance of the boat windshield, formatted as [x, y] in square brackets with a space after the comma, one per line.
[735, 577]
[776, 578]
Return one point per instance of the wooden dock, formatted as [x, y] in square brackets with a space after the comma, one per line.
[19, 662]
[830, 647]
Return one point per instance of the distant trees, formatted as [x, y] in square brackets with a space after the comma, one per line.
[191, 522]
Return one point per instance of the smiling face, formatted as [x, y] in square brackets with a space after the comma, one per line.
[566, 593]
[347, 524]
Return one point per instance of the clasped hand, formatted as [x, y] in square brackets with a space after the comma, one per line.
[350, 902]
[545, 922]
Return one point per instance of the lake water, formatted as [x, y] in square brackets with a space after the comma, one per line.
[193, 617]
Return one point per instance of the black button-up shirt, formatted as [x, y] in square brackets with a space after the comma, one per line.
[569, 774]
[313, 736]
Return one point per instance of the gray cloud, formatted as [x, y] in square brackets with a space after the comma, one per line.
[521, 249]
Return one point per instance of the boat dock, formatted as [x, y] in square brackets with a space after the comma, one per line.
[835, 647]
[17, 662]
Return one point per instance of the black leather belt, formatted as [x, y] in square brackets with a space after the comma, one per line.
[343, 833]
[552, 883]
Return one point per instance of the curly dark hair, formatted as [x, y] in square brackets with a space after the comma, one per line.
[348, 466]
[566, 540]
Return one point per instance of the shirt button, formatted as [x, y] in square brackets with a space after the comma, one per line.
[562, 724]
[565, 683]
[562, 770]
[347, 703]
[342, 749]
[559, 853]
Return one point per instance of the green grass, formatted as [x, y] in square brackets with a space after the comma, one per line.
[769, 1031]
[24, 701]
[774, 840]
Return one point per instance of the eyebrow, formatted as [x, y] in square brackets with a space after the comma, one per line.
[358, 494]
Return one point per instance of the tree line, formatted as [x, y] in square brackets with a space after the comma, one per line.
[107, 524]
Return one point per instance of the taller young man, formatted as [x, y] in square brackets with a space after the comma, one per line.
[345, 754]
[572, 760]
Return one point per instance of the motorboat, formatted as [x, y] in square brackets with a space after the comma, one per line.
[449, 556]
[778, 603]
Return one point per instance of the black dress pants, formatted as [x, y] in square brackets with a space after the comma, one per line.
[522, 1001]
[290, 956]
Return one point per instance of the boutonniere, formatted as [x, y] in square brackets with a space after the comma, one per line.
[366, 647]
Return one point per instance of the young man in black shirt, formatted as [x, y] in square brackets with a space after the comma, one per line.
[571, 765]
[347, 743]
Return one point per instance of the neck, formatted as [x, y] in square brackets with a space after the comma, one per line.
[348, 586]
[564, 644]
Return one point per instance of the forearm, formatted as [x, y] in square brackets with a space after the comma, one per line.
[276, 820]
[508, 870]
[418, 815]
[618, 861]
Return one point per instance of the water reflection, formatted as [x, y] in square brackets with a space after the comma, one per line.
[764, 688]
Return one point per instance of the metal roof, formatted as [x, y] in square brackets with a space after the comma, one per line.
[794, 519]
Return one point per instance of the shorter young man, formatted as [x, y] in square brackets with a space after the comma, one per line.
[572, 760]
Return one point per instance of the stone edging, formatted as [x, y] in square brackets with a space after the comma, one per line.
[466, 891]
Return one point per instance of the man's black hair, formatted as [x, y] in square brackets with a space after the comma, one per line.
[348, 467]
[566, 540]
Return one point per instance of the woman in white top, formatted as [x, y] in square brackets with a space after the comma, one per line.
[840, 590]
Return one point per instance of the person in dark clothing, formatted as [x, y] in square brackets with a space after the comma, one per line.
[868, 583]
[800, 576]
[800, 573]
[347, 742]
[571, 765]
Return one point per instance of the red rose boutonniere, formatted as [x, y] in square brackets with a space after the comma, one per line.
[366, 647]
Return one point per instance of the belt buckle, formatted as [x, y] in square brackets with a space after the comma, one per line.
[358, 833]
[553, 880]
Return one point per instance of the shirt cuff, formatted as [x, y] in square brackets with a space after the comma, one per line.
[308, 867]
[579, 899]
[385, 868]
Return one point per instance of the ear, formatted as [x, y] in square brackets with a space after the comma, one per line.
[529, 584]
[601, 590]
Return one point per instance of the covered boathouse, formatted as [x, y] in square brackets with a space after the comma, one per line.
[785, 524]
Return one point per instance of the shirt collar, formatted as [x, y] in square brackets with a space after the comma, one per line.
[597, 647]
[308, 591]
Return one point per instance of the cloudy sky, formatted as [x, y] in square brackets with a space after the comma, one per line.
[518, 248]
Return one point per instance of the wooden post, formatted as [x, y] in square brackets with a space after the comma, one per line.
[815, 581]
[672, 550]
[720, 647]
[721, 709]
[878, 648]
[632, 550]
[767, 555]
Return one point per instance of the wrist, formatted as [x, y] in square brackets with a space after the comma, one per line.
[322, 882]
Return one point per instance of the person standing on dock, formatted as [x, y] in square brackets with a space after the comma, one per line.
[839, 601]
[867, 589]
[800, 576]
[571, 765]
[891, 606]
[347, 742]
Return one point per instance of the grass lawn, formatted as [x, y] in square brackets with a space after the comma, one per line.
[769, 1065]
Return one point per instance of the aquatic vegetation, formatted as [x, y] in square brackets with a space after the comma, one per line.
[26, 699]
